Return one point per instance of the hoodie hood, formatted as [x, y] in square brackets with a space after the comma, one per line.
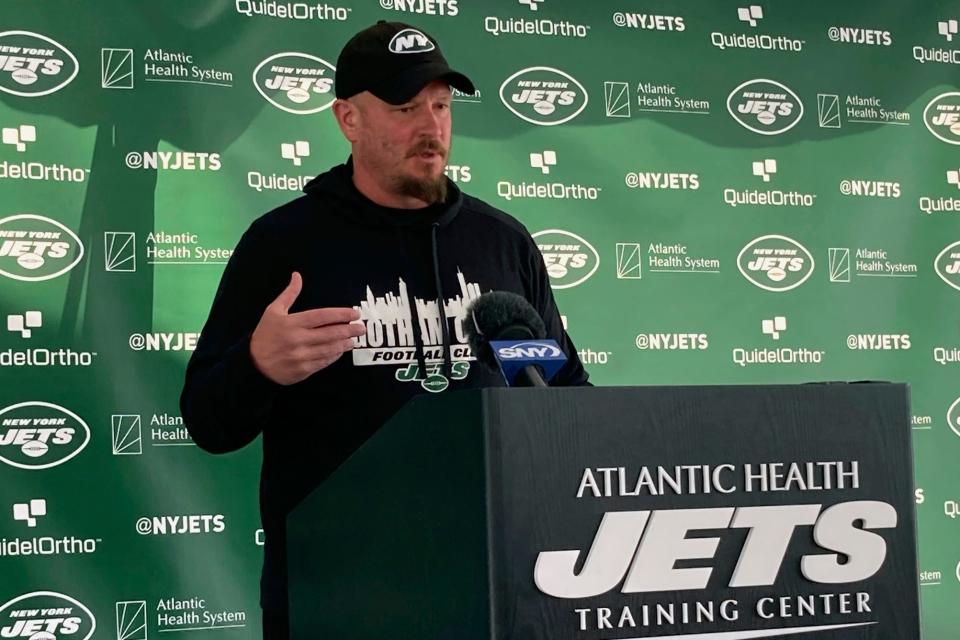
[338, 183]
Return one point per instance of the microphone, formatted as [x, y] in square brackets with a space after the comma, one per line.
[507, 334]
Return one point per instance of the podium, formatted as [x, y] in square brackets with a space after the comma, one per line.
[587, 513]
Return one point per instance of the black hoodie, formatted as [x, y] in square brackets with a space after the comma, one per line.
[393, 265]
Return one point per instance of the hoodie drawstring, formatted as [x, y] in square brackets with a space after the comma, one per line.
[447, 357]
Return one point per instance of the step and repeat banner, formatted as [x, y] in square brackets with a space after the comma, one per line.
[723, 192]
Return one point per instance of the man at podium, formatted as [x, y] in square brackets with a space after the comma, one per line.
[377, 262]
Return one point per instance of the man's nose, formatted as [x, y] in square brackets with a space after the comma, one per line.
[431, 123]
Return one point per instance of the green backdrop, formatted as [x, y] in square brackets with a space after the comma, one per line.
[724, 192]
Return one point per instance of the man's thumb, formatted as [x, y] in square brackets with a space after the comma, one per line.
[289, 295]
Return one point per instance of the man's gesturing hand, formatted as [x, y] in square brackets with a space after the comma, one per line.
[288, 347]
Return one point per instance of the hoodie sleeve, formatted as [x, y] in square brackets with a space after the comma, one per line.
[541, 295]
[226, 400]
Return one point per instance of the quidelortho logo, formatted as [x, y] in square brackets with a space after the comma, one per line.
[447, 8]
[35, 248]
[181, 525]
[46, 615]
[23, 324]
[543, 27]
[942, 117]
[18, 137]
[948, 30]
[30, 514]
[752, 16]
[293, 151]
[765, 106]
[775, 263]
[34, 65]
[947, 265]
[296, 82]
[318, 11]
[776, 330]
[773, 327]
[543, 95]
[40, 435]
[948, 204]
[765, 170]
[570, 259]
[545, 161]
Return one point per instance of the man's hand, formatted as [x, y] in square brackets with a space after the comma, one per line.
[288, 347]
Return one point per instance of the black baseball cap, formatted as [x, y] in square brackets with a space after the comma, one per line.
[393, 61]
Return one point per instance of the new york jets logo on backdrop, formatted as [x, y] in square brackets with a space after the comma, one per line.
[46, 615]
[942, 117]
[765, 106]
[775, 263]
[543, 95]
[34, 65]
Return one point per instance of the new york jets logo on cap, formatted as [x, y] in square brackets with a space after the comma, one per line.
[410, 41]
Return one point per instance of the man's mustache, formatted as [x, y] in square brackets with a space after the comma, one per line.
[431, 146]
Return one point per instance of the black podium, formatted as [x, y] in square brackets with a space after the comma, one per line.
[722, 513]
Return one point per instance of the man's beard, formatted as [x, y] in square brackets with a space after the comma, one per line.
[429, 190]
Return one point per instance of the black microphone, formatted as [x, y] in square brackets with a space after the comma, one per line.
[501, 315]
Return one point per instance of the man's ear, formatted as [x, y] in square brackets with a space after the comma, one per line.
[348, 118]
